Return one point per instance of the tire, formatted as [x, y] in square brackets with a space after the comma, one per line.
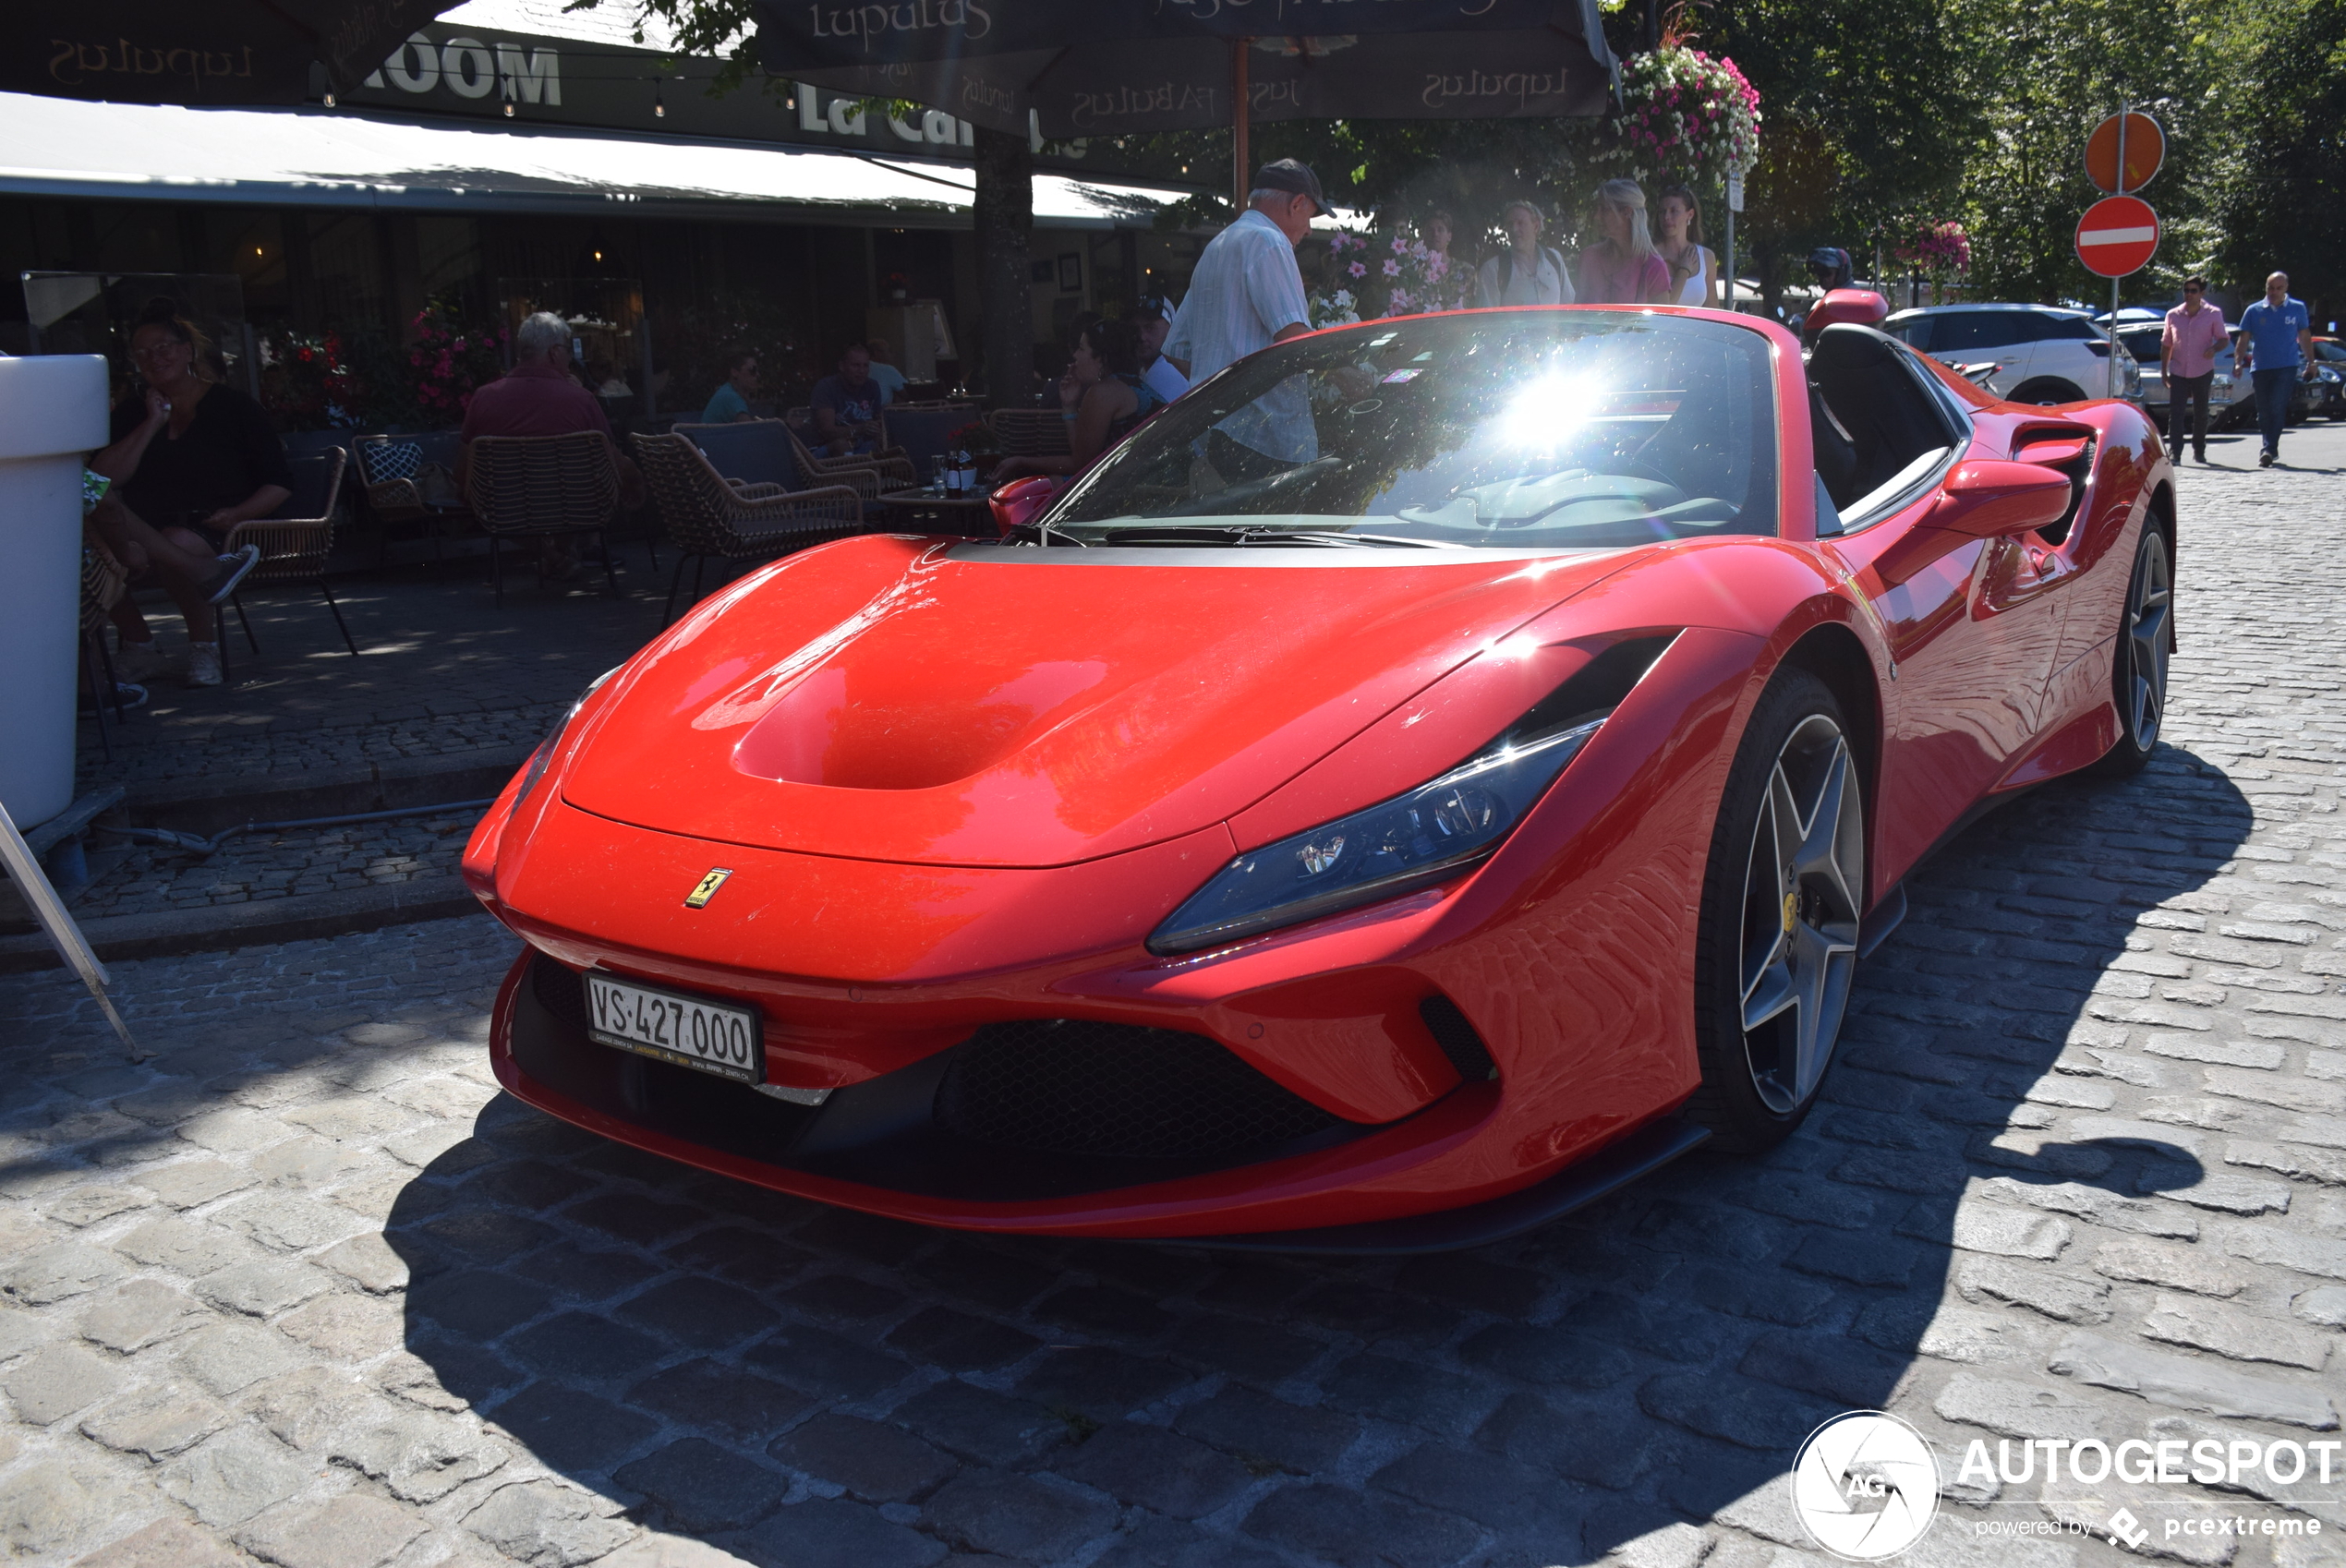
[1777, 950]
[2045, 392]
[2138, 664]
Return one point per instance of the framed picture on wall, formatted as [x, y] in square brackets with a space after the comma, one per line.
[1071, 272]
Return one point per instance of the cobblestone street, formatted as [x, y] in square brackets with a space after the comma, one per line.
[306, 1289]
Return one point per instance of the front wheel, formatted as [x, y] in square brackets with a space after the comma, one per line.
[1783, 898]
[2139, 665]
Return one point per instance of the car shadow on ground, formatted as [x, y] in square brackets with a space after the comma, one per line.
[799, 1384]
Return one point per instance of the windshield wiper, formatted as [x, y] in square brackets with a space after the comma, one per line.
[1250, 533]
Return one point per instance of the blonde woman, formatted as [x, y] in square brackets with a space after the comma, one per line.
[1694, 271]
[1623, 268]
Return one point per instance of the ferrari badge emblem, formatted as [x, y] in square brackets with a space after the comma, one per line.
[1791, 900]
[708, 887]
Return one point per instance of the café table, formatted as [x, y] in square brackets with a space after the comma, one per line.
[932, 510]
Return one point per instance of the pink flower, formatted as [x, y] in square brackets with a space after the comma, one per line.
[1392, 269]
[1357, 268]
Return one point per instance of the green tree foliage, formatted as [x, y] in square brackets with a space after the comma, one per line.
[2043, 76]
[2281, 202]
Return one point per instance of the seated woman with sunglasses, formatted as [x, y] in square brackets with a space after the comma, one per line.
[193, 458]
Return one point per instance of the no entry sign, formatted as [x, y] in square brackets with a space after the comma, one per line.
[2119, 235]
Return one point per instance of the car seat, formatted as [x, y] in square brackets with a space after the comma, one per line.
[1890, 420]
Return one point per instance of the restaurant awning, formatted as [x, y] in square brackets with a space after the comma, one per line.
[329, 158]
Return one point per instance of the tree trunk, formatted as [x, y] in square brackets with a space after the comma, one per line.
[1004, 210]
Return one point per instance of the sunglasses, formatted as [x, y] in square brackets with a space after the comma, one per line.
[2189, 290]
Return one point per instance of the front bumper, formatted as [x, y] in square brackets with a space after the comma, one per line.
[1558, 974]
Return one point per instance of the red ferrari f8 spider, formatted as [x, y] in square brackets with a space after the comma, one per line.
[1435, 771]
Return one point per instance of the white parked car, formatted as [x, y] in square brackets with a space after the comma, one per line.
[2042, 353]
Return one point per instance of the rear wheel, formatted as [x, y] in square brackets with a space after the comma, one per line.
[2138, 668]
[1782, 900]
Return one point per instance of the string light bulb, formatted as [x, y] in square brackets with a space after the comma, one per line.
[330, 98]
[659, 105]
[509, 108]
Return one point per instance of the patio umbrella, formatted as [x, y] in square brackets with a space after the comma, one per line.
[219, 52]
[1112, 68]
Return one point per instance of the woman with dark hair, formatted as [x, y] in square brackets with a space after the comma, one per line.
[1103, 394]
[191, 457]
[1694, 271]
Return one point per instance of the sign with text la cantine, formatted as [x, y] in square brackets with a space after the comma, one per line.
[517, 81]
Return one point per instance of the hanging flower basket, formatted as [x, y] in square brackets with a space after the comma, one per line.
[1941, 251]
[1686, 116]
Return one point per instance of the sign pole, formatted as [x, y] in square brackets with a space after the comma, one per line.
[1240, 108]
[2110, 386]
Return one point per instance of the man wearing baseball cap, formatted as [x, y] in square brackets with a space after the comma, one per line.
[1245, 295]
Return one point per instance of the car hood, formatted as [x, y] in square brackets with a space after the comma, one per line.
[891, 698]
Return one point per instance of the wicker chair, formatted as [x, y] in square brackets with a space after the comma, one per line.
[292, 549]
[707, 516]
[1031, 432]
[392, 474]
[750, 452]
[923, 430]
[890, 466]
[103, 580]
[543, 488]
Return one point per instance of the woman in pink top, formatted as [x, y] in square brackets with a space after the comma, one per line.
[1623, 268]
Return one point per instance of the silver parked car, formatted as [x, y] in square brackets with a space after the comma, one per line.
[2042, 353]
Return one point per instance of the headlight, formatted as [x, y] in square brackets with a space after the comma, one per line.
[1406, 842]
[545, 753]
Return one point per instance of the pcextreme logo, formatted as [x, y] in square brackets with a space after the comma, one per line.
[1866, 1485]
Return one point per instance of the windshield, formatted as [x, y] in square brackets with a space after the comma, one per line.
[1549, 429]
[2142, 342]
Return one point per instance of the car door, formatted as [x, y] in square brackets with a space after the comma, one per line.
[1969, 337]
[1974, 628]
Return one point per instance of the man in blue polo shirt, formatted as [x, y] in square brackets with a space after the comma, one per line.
[2275, 343]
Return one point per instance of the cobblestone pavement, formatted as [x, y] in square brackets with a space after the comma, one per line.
[278, 865]
[306, 1287]
[441, 671]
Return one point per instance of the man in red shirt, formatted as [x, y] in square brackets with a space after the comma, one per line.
[539, 397]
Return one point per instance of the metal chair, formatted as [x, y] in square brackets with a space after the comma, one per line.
[292, 549]
[543, 488]
[707, 516]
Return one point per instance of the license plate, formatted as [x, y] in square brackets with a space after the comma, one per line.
[670, 1026]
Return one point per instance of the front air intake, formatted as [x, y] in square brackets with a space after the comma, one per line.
[1066, 1086]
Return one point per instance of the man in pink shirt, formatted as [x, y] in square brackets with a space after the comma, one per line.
[2187, 351]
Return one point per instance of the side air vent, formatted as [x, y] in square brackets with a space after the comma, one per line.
[1458, 1039]
[560, 990]
[1596, 690]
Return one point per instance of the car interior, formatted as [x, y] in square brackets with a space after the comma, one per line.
[1877, 430]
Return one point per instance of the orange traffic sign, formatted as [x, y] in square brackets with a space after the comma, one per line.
[2118, 234]
[2145, 150]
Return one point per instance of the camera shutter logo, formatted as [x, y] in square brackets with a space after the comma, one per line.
[1865, 1486]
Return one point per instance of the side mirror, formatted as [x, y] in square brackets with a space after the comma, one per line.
[1988, 499]
[1021, 501]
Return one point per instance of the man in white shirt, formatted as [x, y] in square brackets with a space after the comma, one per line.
[1526, 272]
[1245, 295]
